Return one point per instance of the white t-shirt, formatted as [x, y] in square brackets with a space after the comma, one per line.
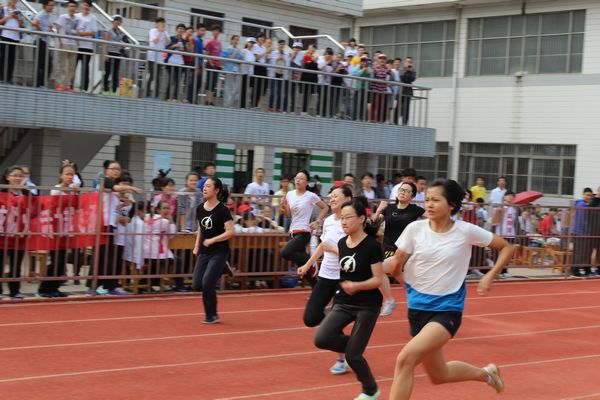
[332, 233]
[87, 23]
[248, 56]
[258, 49]
[497, 196]
[11, 23]
[162, 44]
[435, 273]
[68, 26]
[351, 51]
[369, 195]
[301, 207]
[256, 188]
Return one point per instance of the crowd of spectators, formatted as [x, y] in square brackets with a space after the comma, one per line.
[141, 224]
[264, 85]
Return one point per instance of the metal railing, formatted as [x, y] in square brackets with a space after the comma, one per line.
[197, 17]
[144, 242]
[201, 79]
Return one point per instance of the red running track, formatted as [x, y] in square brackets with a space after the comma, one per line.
[544, 335]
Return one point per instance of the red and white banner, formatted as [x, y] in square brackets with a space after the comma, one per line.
[48, 222]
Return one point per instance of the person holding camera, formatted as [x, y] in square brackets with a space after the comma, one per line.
[408, 76]
[10, 17]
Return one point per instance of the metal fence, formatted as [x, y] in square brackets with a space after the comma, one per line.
[100, 241]
[43, 59]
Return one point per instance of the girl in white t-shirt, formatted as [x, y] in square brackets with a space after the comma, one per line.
[433, 258]
[329, 273]
[298, 204]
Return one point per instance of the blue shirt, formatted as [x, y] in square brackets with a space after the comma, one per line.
[579, 224]
[232, 66]
[198, 49]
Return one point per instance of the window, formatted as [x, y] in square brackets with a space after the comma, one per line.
[202, 153]
[430, 44]
[533, 43]
[148, 14]
[291, 163]
[344, 34]
[207, 21]
[430, 167]
[338, 166]
[300, 31]
[549, 169]
[242, 168]
[253, 31]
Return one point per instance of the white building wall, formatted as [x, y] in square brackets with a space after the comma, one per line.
[179, 153]
[539, 109]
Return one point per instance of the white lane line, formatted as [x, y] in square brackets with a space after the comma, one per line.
[469, 300]
[587, 396]
[297, 354]
[247, 332]
[12, 304]
[379, 380]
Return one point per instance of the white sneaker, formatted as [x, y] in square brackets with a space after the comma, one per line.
[340, 367]
[388, 308]
[364, 396]
[494, 380]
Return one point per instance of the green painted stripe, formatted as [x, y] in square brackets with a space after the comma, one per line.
[278, 155]
[317, 168]
[321, 158]
[225, 163]
[225, 175]
[277, 167]
[221, 150]
[277, 177]
[326, 180]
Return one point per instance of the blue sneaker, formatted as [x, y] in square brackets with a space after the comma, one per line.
[364, 396]
[340, 367]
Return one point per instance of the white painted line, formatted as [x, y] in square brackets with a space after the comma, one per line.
[269, 310]
[297, 354]
[587, 396]
[272, 330]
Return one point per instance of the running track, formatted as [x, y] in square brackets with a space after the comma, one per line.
[544, 335]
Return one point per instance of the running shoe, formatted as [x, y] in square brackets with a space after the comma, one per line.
[118, 292]
[101, 291]
[211, 320]
[364, 396]
[388, 308]
[494, 380]
[17, 296]
[340, 367]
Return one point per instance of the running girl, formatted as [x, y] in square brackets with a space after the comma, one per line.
[298, 204]
[436, 252]
[212, 245]
[329, 273]
[358, 300]
[397, 217]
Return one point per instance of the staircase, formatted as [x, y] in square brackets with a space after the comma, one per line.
[12, 141]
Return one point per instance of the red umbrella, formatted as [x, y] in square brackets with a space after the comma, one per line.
[527, 197]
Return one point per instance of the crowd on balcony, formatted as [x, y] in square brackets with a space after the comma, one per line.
[188, 78]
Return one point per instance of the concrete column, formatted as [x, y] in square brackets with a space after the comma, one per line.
[264, 157]
[46, 155]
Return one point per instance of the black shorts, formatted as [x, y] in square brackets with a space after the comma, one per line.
[448, 319]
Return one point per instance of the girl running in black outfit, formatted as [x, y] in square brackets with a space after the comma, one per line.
[212, 245]
[358, 299]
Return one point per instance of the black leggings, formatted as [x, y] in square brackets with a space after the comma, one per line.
[111, 69]
[321, 295]
[209, 268]
[14, 258]
[295, 251]
[330, 336]
[85, 68]
[57, 267]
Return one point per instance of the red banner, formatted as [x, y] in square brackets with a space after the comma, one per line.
[48, 222]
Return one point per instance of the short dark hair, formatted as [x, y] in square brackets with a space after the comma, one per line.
[281, 41]
[397, 59]
[370, 175]
[346, 190]
[187, 176]
[480, 177]
[180, 26]
[260, 169]
[502, 177]
[72, 2]
[305, 172]
[200, 25]
[349, 174]
[125, 177]
[352, 40]
[105, 163]
[45, 2]
[210, 164]
[452, 191]
[88, 2]
[408, 58]
[412, 186]
[588, 190]
[165, 181]
[159, 19]
[409, 172]
[421, 178]
[360, 46]
[260, 35]
[480, 200]
[215, 27]
[509, 193]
